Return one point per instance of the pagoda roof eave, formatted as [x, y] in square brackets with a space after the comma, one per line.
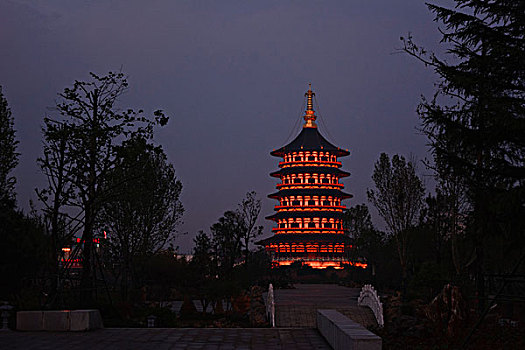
[305, 214]
[310, 169]
[309, 139]
[305, 237]
[310, 192]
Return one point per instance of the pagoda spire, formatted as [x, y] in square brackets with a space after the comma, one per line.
[309, 117]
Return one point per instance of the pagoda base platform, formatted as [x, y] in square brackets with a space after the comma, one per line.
[316, 262]
[312, 264]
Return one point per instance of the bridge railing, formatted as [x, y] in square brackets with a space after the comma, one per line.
[368, 297]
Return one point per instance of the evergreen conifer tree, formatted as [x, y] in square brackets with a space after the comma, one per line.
[476, 120]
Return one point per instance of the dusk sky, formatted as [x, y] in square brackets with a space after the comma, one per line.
[231, 75]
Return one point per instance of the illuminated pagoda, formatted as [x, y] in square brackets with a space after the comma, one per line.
[309, 215]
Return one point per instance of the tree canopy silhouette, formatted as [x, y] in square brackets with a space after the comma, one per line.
[80, 146]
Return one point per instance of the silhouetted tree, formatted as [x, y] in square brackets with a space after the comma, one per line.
[398, 198]
[204, 256]
[92, 126]
[446, 217]
[141, 210]
[475, 122]
[437, 221]
[357, 220]
[249, 209]
[60, 224]
[235, 230]
[367, 240]
[8, 155]
[23, 257]
[227, 239]
[204, 267]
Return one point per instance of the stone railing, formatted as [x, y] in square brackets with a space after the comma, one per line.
[368, 297]
[342, 333]
[270, 306]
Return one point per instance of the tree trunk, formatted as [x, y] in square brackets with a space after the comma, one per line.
[480, 280]
[56, 246]
[404, 278]
[89, 214]
[86, 284]
[246, 252]
[124, 282]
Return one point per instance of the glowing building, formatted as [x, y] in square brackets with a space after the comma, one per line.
[309, 215]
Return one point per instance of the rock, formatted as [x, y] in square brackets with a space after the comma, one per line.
[448, 311]
[392, 307]
[241, 304]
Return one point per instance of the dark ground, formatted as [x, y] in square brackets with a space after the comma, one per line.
[158, 339]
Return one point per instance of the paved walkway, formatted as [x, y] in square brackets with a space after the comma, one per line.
[297, 307]
[168, 338]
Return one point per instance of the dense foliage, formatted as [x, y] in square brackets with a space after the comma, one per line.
[142, 210]
[476, 122]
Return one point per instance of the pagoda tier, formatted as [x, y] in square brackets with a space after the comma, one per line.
[309, 215]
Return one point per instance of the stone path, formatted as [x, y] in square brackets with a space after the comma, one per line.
[297, 307]
[172, 338]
